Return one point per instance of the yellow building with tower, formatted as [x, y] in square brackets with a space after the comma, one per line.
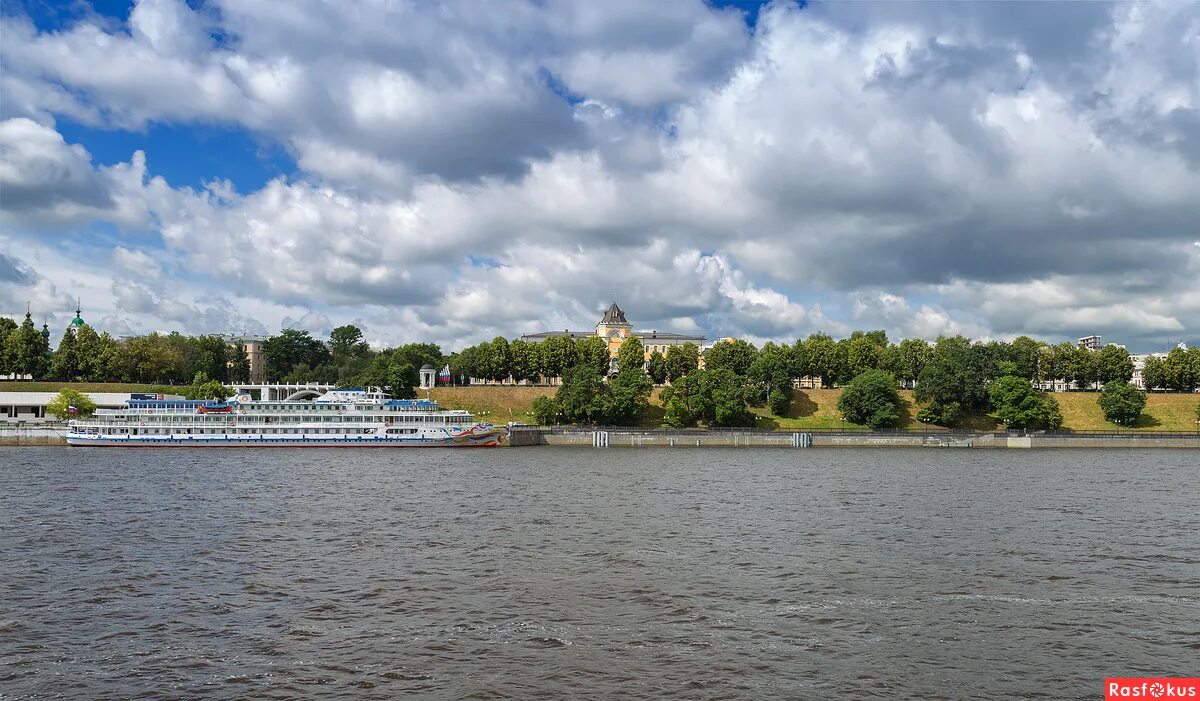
[615, 329]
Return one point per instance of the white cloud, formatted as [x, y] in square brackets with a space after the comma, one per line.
[950, 171]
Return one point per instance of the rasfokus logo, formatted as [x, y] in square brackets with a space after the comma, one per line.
[1152, 688]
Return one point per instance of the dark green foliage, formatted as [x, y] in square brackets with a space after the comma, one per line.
[593, 352]
[779, 401]
[1081, 368]
[203, 387]
[871, 399]
[715, 397]
[631, 355]
[525, 361]
[952, 382]
[1113, 364]
[626, 397]
[771, 373]
[735, 356]
[545, 411]
[1181, 369]
[1025, 353]
[1018, 404]
[912, 355]
[824, 358]
[347, 342]
[1153, 374]
[64, 364]
[25, 350]
[67, 398]
[681, 360]
[1122, 403]
[7, 326]
[556, 354]
[584, 398]
[290, 348]
[657, 367]
[864, 352]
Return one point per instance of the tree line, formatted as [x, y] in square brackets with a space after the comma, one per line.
[953, 376]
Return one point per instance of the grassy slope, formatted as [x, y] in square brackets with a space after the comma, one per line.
[817, 408]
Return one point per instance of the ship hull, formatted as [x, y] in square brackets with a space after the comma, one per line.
[88, 441]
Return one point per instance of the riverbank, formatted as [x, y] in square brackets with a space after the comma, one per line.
[641, 438]
[816, 409]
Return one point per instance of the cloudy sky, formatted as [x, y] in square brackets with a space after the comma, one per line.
[452, 171]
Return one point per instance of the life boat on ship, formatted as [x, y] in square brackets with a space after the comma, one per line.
[221, 408]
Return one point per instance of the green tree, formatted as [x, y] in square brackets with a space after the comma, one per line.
[88, 347]
[525, 362]
[593, 352]
[347, 342]
[299, 374]
[402, 379]
[64, 364]
[681, 360]
[1019, 405]
[419, 355]
[823, 358]
[1122, 403]
[1026, 353]
[656, 367]
[864, 352]
[871, 399]
[716, 397]
[914, 355]
[631, 355]
[1113, 364]
[7, 326]
[771, 374]
[1152, 373]
[580, 397]
[1179, 370]
[626, 397]
[203, 387]
[1082, 368]
[25, 350]
[545, 411]
[60, 404]
[239, 364]
[734, 355]
[289, 348]
[212, 357]
[951, 382]
[557, 354]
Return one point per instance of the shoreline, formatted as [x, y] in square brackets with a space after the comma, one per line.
[661, 438]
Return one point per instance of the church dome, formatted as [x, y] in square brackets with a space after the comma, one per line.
[78, 320]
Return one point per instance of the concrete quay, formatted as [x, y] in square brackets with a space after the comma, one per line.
[635, 438]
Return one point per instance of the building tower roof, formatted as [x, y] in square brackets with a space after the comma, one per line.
[78, 320]
[614, 315]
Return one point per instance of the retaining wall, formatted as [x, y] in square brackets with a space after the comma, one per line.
[27, 435]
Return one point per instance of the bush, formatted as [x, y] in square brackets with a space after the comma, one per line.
[1122, 403]
[871, 399]
[779, 402]
[71, 398]
[1019, 405]
[545, 411]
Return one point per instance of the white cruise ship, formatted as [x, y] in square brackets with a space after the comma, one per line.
[340, 418]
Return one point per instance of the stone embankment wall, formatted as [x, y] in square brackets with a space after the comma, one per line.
[746, 439]
[29, 435]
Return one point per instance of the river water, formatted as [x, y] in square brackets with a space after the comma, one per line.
[594, 574]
